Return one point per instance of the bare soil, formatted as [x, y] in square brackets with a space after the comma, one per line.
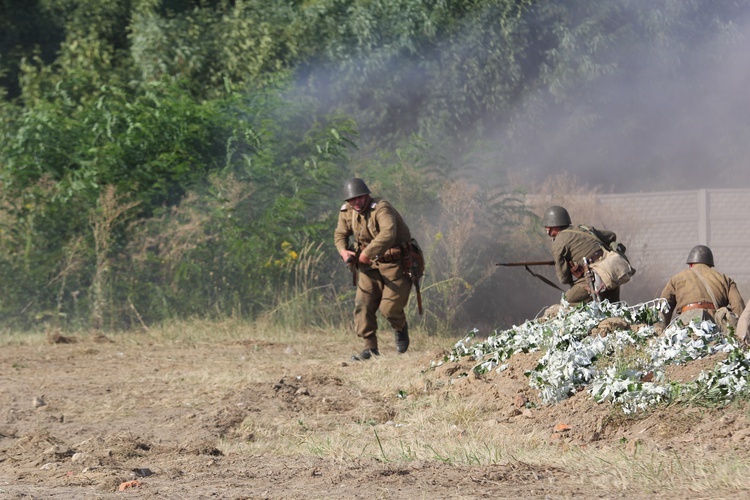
[88, 417]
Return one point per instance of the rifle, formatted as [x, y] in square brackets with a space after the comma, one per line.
[418, 291]
[533, 263]
[414, 268]
[529, 263]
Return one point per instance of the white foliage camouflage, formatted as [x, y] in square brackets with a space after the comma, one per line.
[575, 360]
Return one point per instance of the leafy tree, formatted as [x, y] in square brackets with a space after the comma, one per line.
[215, 45]
[226, 129]
[26, 28]
[84, 127]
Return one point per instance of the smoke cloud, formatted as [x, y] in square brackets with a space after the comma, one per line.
[663, 123]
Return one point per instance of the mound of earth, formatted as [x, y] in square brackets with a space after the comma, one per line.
[701, 393]
[580, 421]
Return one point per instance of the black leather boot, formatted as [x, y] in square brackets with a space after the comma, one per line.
[402, 339]
[366, 354]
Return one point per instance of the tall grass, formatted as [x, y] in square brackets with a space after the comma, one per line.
[304, 301]
[111, 212]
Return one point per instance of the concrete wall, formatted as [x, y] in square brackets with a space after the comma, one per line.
[659, 229]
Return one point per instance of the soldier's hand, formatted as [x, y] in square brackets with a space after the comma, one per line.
[346, 255]
[364, 259]
[575, 269]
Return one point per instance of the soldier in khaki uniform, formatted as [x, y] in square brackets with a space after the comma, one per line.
[379, 233]
[570, 244]
[702, 292]
[743, 325]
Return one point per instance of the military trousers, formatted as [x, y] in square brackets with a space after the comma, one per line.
[382, 288]
[579, 293]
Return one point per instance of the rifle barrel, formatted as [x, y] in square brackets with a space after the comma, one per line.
[530, 263]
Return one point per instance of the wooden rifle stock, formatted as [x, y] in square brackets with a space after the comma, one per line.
[529, 263]
[351, 262]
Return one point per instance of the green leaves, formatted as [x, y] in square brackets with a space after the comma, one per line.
[170, 101]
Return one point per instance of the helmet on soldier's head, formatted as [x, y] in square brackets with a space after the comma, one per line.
[556, 216]
[701, 254]
[355, 187]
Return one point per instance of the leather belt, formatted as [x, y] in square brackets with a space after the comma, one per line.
[699, 305]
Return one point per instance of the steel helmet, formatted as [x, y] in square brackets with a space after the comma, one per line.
[701, 254]
[355, 187]
[556, 216]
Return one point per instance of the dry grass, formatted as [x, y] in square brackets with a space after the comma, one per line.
[385, 409]
[399, 420]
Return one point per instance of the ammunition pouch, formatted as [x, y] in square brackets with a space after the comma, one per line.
[577, 269]
[612, 271]
[410, 254]
[393, 254]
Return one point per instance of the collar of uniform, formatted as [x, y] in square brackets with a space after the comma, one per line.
[346, 206]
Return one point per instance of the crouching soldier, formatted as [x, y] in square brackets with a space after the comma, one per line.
[700, 292]
[574, 249]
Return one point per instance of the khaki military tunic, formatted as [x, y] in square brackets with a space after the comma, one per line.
[571, 245]
[686, 287]
[381, 286]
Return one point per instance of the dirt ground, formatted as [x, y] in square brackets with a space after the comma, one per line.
[110, 417]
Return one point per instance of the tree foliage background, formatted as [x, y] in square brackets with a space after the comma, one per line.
[169, 158]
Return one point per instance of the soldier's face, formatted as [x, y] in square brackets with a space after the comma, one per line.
[359, 203]
[552, 231]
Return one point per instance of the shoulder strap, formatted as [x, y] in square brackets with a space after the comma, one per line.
[587, 232]
[705, 285]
